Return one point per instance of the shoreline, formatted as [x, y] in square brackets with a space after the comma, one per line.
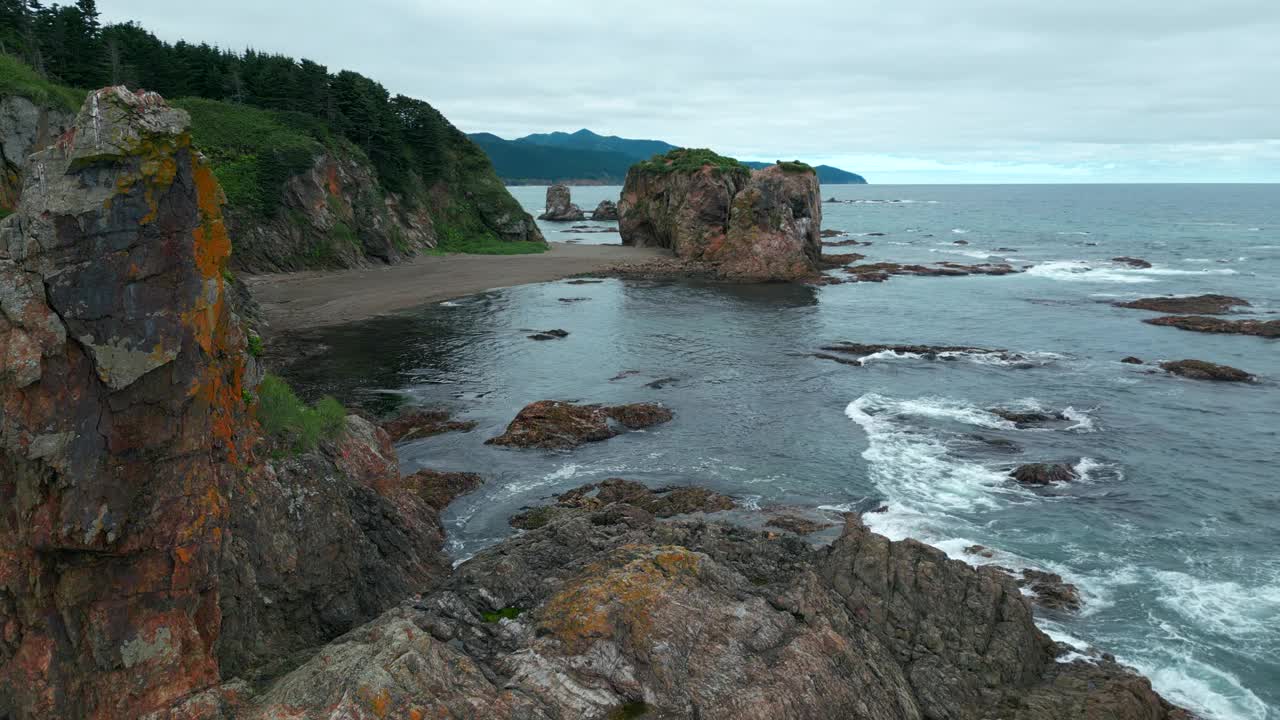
[321, 298]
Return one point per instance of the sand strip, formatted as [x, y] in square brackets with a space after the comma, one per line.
[316, 298]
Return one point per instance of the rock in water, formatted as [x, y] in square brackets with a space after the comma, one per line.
[604, 611]
[1196, 304]
[752, 226]
[1133, 262]
[606, 210]
[560, 206]
[122, 373]
[555, 425]
[1044, 473]
[1201, 370]
[1197, 323]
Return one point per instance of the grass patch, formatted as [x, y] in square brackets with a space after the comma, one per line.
[506, 613]
[5, 212]
[453, 239]
[16, 78]
[291, 422]
[253, 152]
[690, 160]
[255, 346]
[795, 166]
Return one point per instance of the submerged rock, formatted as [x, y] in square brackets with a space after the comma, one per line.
[1201, 370]
[604, 610]
[1196, 323]
[849, 353]
[1044, 473]
[1025, 418]
[606, 210]
[1194, 304]
[879, 272]
[1131, 261]
[556, 334]
[552, 424]
[560, 207]
[751, 226]
[1131, 360]
[415, 424]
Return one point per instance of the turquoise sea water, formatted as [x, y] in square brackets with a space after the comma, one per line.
[1172, 532]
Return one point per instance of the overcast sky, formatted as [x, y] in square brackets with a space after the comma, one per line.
[899, 90]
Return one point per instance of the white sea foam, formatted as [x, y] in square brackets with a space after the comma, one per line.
[1246, 614]
[960, 231]
[1085, 271]
[1073, 232]
[1203, 688]
[1083, 422]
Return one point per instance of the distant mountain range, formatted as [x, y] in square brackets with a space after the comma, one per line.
[584, 157]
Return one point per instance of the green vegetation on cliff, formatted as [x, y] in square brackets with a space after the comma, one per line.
[794, 166]
[291, 422]
[690, 160]
[262, 118]
[17, 79]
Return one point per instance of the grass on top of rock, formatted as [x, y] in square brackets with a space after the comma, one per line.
[795, 166]
[691, 160]
[291, 422]
[506, 613]
[16, 78]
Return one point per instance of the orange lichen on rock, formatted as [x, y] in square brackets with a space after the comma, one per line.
[618, 593]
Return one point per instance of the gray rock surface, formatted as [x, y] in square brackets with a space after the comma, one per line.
[560, 207]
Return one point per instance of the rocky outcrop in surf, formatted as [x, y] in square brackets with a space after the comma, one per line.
[591, 615]
[1197, 323]
[1044, 473]
[606, 210]
[560, 207]
[555, 425]
[761, 225]
[858, 354]
[1202, 370]
[881, 271]
[1190, 305]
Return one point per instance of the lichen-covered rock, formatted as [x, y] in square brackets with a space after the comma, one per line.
[606, 612]
[560, 205]
[1202, 370]
[122, 417]
[556, 425]
[752, 226]
[606, 210]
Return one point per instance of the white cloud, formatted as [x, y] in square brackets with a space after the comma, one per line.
[929, 90]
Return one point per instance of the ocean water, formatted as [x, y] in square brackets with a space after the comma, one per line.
[1172, 532]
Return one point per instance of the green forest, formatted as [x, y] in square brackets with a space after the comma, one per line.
[272, 112]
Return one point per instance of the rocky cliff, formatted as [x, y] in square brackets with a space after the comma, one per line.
[751, 225]
[607, 612]
[146, 552]
[25, 126]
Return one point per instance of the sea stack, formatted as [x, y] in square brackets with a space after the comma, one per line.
[606, 210]
[752, 226]
[560, 207]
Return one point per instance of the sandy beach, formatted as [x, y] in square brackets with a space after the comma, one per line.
[316, 298]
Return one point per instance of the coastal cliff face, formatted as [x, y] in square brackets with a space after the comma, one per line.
[25, 127]
[607, 612]
[147, 553]
[121, 416]
[753, 226]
